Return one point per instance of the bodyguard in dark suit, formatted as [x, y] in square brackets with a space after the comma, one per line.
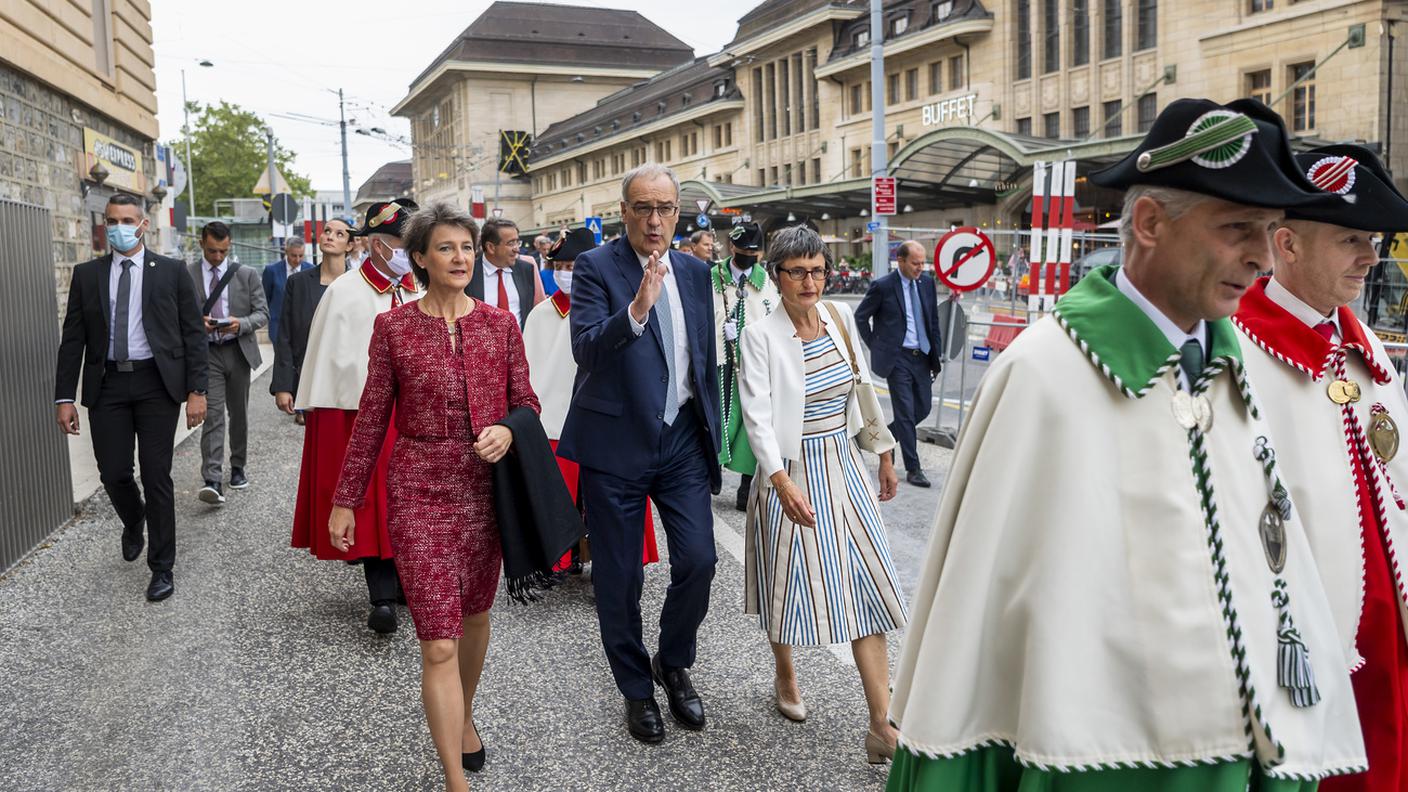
[899, 320]
[275, 278]
[644, 422]
[502, 277]
[133, 331]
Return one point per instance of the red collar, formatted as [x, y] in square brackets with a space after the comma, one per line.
[1294, 343]
[380, 282]
[561, 302]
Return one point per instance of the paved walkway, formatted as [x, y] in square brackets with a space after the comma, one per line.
[259, 674]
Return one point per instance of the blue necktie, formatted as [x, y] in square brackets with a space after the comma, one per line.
[919, 317]
[667, 339]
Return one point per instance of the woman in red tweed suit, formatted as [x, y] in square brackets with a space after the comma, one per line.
[451, 367]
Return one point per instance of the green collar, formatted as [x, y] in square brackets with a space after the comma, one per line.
[757, 276]
[1125, 344]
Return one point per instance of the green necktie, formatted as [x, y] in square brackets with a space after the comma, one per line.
[1190, 358]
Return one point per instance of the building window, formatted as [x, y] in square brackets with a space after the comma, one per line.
[1080, 123]
[892, 88]
[1113, 45]
[787, 175]
[1146, 37]
[936, 78]
[770, 84]
[857, 163]
[1113, 125]
[1260, 5]
[1080, 32]
[1024, 126]
[1148, 110]
[728, 134]
[816, 170]
[798, 97]
[1024, 39]
[860, 38]
[762, 177]
[102, 37]
[801, 172]
[718, 136]
[956, 78]
[899, 25]
[911, 85]
[1259, 86]
[758, 103]
[815, 107]
[857, 101]
[1303, 97]
[784, 85]
[1051, 126]
[939, 11]
[1051, 36]
[772, 173]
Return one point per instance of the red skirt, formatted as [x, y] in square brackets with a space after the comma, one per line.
[569, 475]
[326, 432]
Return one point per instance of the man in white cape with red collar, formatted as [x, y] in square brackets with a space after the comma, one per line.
[330, 390]
[1328, 386]
[547, 344]
[1142, 612]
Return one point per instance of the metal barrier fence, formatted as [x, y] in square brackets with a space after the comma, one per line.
[36, 490]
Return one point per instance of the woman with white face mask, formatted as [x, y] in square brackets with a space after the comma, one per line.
[547, 341]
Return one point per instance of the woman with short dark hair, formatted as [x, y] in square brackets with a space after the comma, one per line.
[450, 368]
[817, 556]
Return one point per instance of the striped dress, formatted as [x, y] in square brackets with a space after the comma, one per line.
[836, 582]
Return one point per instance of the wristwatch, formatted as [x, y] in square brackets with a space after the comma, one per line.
[199, 392]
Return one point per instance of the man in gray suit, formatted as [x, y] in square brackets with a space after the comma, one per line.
[502, 278]
[233, 305]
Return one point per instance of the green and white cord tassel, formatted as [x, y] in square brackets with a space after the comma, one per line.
[1293, 671]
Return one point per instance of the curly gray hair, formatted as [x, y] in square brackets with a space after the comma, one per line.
[423, 222]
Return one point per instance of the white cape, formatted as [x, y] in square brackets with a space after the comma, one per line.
[335, 365]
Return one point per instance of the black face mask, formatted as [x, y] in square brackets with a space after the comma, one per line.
[744, 260]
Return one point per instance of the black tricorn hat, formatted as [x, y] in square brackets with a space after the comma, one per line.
[747, 237]
[572, 244]
[1238, 152]
[387, 217]
[1369, 202]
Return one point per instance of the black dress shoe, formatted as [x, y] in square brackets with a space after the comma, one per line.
[382, 619]
[132, 540]
[160, 587]
[474, 762]
[685, 706]
[643, 720]
[238, 479]
[211, 493]
[916, 477]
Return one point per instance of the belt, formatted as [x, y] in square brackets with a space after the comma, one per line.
[127, 366]
[915, 352]
[221, 343]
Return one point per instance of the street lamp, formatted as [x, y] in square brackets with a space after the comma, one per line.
[186, 113]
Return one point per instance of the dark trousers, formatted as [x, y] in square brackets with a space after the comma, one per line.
[615, 515]
[911, 397]
[383, 585]
[133, 408]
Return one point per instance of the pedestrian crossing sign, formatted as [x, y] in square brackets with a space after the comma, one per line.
[594, 225]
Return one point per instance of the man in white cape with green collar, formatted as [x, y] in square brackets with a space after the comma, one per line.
[1143, 612]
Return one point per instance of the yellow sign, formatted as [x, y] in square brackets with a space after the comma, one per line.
[123, 164]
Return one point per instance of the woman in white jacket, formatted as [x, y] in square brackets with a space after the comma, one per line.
[818, 559]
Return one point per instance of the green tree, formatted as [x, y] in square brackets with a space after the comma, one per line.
[229, 154]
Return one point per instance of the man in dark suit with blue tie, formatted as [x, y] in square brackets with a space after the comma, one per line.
[275, 280]
[644, 422]
[899, 320]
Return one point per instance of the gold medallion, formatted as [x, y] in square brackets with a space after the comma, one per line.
[1351, 389]
[1273, 538]
[1343, 391]
[1383, 436]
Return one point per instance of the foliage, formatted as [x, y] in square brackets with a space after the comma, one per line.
[229, 154]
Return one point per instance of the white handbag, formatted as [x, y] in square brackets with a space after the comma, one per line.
[874, 435]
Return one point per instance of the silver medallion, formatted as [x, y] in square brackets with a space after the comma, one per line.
[1273, 538]
[1192, 411]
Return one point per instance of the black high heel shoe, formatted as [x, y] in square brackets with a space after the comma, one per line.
[474, 762]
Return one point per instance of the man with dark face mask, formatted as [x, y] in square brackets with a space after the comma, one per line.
[330, 390]
[743, 293]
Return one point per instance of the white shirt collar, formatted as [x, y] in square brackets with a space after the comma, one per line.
[118, 258]
[1297, 307]
[664, 258]
[206, 266]
[1171, 331]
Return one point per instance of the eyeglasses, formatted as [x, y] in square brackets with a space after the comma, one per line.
[644, 211]
[799, 275]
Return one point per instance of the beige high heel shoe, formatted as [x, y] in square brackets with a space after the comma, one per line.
[876, 749]
[793, 711]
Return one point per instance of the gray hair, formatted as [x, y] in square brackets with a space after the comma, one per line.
[649, 171]
[1175, 202]
[415, 235]
[293, 242]
[795, 242]
[697, 236]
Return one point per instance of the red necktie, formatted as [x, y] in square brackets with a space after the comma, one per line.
[1326, 330]
[503, 293]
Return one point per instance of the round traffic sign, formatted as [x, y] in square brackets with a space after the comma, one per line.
[964, 259]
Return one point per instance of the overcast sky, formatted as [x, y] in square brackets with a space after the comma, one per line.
[290, 57]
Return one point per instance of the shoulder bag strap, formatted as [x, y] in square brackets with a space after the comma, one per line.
[845, 337]
[219, 288]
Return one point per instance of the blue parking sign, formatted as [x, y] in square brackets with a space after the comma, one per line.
[982, 353]
[594, 223]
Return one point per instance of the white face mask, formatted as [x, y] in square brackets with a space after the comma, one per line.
[563, 279]
[399, 262]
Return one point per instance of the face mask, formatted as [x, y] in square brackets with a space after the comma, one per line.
[399, 262]
[745, 260]
[563, 279]
[123, 237]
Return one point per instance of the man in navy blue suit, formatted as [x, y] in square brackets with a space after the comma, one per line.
[899, 320]
[644, 422]
[275, 277]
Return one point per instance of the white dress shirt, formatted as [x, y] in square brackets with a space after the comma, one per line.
[491, 285]
[1297, 307]
[684, 390]
[1171, 331]
[137, 346]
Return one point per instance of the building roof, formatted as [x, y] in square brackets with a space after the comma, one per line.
[770, 13]
[921, 18]
[391, 180]
[564, 35]
[685, 87]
